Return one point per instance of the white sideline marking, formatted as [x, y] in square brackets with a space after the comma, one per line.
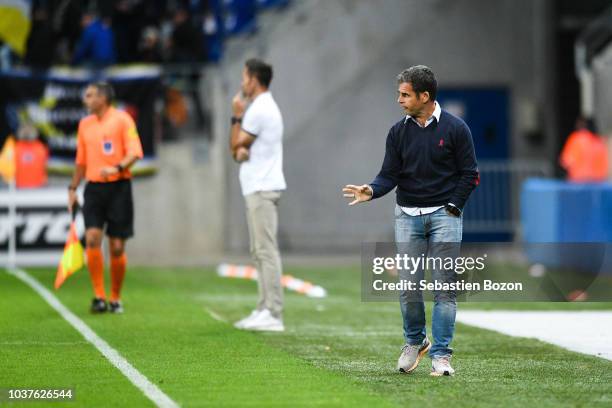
[587, 332]
[215, 316]
[41, 343]
[141, 382]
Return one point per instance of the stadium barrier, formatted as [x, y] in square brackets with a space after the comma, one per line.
[494, 206]
[42, 222]
[576, 216]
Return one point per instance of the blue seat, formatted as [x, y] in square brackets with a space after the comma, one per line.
[240, 16]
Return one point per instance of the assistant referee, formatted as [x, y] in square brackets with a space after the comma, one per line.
[107, 146]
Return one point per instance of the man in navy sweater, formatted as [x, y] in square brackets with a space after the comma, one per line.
[430, 158]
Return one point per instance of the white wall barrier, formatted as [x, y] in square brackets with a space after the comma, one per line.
[42, 223]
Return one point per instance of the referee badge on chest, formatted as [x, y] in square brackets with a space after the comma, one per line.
[107, 147]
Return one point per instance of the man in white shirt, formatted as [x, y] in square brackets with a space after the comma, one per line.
[256, 143]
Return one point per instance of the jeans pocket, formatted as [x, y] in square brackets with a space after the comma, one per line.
[398, 211]
[273, 196]
[451, 215]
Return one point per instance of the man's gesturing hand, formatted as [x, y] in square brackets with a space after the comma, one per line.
[359, 194]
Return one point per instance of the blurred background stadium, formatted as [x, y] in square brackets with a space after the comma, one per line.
[519, 73]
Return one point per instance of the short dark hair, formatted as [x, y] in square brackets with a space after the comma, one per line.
[105, 89]
[421, 78]
[260, 70]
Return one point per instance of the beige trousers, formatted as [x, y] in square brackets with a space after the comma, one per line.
[262, 219]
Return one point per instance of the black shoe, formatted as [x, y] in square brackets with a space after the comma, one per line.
[98, 305]
[116, 307]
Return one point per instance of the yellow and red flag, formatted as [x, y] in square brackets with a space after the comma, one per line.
[7, 160]
[73, 258]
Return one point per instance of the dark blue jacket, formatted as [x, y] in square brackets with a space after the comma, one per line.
[430, 166]
[96, 45]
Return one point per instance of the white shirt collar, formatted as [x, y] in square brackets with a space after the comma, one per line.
[435, 115]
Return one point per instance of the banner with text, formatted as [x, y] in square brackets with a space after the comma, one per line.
[51, 101]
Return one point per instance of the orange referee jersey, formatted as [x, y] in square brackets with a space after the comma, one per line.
[585, 157]
[106, 141]
[32, 156]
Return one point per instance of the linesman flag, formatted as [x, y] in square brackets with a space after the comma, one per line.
[7, 160]
[73, 258]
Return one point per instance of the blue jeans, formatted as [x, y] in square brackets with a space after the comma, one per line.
[433, 235]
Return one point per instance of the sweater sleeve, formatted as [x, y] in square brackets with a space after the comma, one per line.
[387, 178]
[465, 159]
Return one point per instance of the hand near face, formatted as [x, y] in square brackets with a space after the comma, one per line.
[238, 105]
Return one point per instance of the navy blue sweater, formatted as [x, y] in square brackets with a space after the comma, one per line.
[430, 166]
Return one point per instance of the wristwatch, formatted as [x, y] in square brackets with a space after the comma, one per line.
[452, 210]
[236, 120]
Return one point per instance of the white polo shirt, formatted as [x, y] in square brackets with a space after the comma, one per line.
[264, 169]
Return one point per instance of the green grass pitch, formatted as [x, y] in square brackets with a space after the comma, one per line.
[336, 351]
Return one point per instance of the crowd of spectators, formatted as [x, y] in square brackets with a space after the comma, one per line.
[105, 32]
[101, 33]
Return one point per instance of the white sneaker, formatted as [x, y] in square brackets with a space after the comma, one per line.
[441, 366]
[412, 355]
[264, 321]
[241, 323]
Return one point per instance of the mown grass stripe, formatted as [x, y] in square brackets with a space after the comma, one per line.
[150, 390]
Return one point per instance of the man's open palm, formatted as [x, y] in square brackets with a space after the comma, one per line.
[359, 194]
